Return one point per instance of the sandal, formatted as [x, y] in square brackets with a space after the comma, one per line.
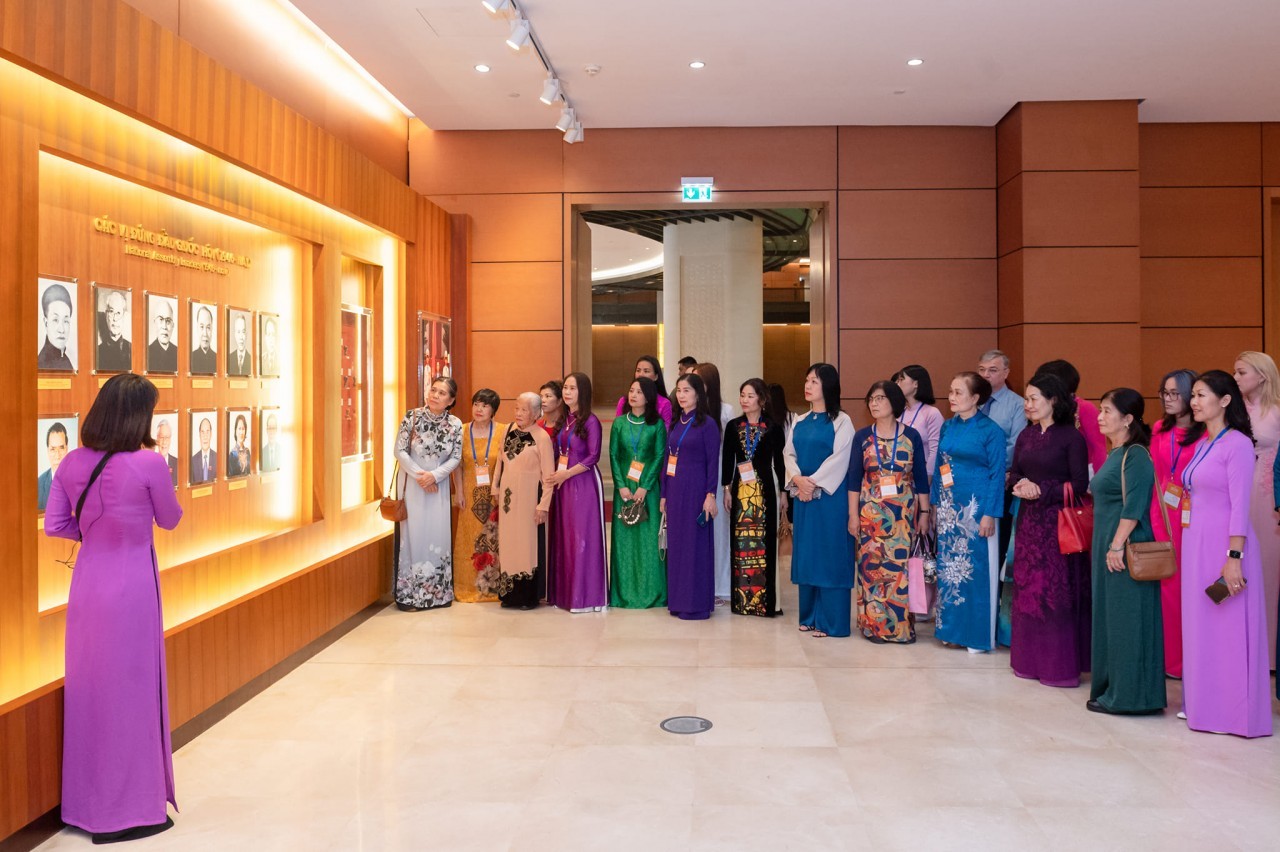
[804, 628]
[817, 634]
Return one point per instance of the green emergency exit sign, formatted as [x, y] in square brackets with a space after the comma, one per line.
[695, 190]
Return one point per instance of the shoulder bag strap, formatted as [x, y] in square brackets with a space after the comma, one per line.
[97, 471]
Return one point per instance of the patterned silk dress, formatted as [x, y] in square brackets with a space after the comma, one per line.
[753, 534]
[424, 569]
[475, 543]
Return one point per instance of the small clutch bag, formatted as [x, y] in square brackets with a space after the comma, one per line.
[633, 512]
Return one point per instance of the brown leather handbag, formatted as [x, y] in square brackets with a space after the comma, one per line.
[1149, 560]
[392, 508]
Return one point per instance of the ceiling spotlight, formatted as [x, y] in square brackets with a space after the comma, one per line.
[914, 62]
[574, 133]
[519, 34]
[482, 68]
[567, 118]
[550, 91]
[495, 6]
[697, 63]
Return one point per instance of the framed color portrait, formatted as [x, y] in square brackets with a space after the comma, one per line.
[113, 329]
[270, 451]
[239, 351]
[164, 431]
[239, 442]
[203, 318]
[57, 329]
[56, 436]
[268, 345]
[203, 429]
[162, 334]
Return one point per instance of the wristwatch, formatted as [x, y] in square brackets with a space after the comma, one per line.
[1235, 554]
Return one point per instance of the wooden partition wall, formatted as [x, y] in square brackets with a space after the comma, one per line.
[106, 114]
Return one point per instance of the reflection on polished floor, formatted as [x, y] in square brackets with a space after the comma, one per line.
[479, 728]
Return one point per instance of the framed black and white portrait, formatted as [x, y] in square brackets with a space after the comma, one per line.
[204, 337]
[268, 345]
[270, 449]
[239, 351]
[57, 328]
[162, 334]
[164, 431]
[113, 329]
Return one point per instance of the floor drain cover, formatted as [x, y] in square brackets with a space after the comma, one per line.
[685, 725]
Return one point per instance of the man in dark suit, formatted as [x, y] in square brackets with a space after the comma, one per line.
[239, 360]
[204, 358]
[267, 364]
[115, 353]
[204, 461]
[269, 454]
[162, 353]
[55, 303]
[55, 444]
[164, 440]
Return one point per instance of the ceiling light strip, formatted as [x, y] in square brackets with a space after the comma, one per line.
[522, 32]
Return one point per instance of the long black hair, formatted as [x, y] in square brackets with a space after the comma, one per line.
[657, 371]
[694, 381]
[583, 410]
[1183, 379]
[778, 404]
[1128, 401]
[1065, 371]
[829, 377]
[762, 391]
[710, 375]
[119, 421]
[924, 384]
[1052, 387]
[1223, 384]
[649, 388]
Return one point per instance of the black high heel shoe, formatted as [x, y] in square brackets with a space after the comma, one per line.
[136, 833]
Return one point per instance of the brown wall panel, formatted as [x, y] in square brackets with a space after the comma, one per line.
[1010, 342]
[1199, 349]
[614, 350]
[1271, 153]
[512, 362]
[1211, 154]
[1107, 356]
[917, 157]
[510, 227]
[1201, 291]
[1009, 145]
[1201, 222]
[873, 354]
[942, 293]
[1010, 218]
[447, 162]
[1079, 136]
[1080, 208]
[516, 296]
[885, 224]
[1080, 284]
[739, 158]
[1009, 283]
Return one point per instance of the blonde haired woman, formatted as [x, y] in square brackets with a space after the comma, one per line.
[1259, 381]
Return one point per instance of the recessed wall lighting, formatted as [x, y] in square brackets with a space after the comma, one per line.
[482, 68]
[914, 62]
[697, 63]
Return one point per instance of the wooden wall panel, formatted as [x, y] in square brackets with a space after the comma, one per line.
[1079, 208]
[1201, 291]
[614, 351]
[1010, 219]
[1080, 284]
[917, 157]
[1210, 154]
[942, 293]
[1107, 355]
[510, 227]
[1271, 153]
[1079, 135]
[512, 362]
[878, 224]
[465, 162]
[1199, 349]
[1202, 222]
[510, 296]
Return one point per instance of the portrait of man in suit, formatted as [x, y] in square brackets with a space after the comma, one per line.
[269, 445]
[57, 328]
[162, 430]
[204, 333]
[56, 444]
[204, 461]
[239, 358]
[115, 351]
[268, 359]
[162, 351]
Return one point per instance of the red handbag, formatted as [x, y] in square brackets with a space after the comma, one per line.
[1075, 523]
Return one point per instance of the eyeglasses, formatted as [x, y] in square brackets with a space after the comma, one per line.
[877, 398]
[1170, 394]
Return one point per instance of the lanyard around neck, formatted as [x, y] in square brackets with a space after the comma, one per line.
[875, 442]
[1199, 457]
[488, 442]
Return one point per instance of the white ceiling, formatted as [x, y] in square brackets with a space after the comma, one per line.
[816, 62]
[618, 254]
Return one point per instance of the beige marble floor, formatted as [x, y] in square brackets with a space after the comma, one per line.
[478, 728]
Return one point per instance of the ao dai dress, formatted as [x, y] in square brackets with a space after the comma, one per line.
[968, 569]
[638, 579]
[822, 549]
[886, 523]
[576, 580]
[1266, 432]
[753, 516]
[927, 420]
[475, 543]
[690, 546]
[1170, 461]
[424, 570]
[527, 459]
[1225, 683]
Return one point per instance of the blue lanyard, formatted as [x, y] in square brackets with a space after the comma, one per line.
[1198, 459]
[1173, 460]
[752, 441]
[635, 436]
[919, 408]
[676, 450]
[488, 443]
[893, 456]
[563, 445]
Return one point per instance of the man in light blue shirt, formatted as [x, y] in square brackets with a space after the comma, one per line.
[1005, 406]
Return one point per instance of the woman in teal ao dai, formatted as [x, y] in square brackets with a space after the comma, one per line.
[637, 450]
[968, 491]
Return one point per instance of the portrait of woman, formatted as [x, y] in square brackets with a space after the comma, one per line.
[239, 453]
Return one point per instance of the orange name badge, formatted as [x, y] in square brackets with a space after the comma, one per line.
[563, 462]
[635, 471]
[747, 472]
[1172, 496]
[947, 479]
[888, 485]
[1186, 510]
[482, 474]
[671, 464]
